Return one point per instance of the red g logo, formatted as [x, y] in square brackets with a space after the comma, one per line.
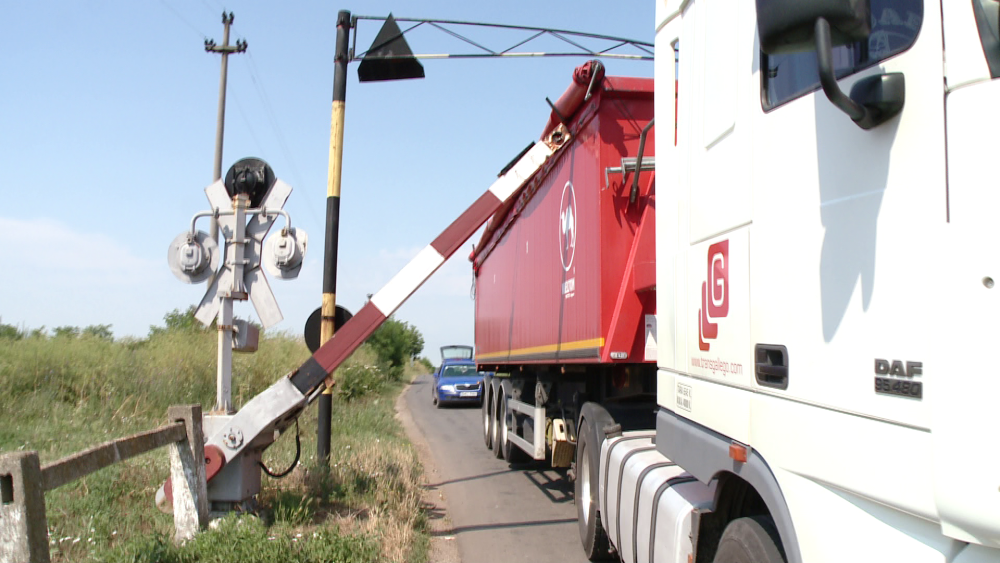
[714, 294]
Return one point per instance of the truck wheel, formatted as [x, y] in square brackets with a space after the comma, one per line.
[593, 419]
[495, 419]
[511, 453]
[487, 418]
[750, 540]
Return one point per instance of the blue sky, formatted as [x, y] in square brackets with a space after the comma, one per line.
[107, 140]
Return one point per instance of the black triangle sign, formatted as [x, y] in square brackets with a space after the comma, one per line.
[389, 43]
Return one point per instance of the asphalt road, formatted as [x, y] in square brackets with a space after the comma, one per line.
[498, 512]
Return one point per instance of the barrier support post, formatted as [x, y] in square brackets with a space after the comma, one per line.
[187, 474]
[24, 534]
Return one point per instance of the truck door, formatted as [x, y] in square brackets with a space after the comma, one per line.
[843, 220]
[715, 125]
[703, 230]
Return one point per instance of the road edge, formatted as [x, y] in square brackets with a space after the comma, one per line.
[443, 547]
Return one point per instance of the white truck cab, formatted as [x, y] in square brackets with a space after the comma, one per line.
[826, 256]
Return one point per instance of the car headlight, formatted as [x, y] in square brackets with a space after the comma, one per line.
[447, 388]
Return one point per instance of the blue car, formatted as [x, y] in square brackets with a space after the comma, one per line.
[457, 381]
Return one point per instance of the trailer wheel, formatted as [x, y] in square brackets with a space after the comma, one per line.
[487, 419]
[750, 540]
[593, 419]
[495, 419]
[511, 453]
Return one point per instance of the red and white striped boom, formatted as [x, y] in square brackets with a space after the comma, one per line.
[278, 406]
[317, 368]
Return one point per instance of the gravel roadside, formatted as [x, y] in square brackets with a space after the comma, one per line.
[443, 547]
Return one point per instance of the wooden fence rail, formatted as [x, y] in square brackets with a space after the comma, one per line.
[23, 483]
[81, 464]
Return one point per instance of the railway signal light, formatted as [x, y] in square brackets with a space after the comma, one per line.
[283, 253]
[193, 256]
[250, 176]
[246, 204]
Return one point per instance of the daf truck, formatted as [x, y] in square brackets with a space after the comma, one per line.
[774, 346]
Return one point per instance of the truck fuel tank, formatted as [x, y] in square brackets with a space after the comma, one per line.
[651, 503]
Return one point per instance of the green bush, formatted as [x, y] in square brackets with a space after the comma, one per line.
[177, 321]
[357, 381]
[425, 365]
[10, 332]
[396, 342]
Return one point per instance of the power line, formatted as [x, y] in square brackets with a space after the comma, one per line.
[258, 82]
[183, 19]
[272, 118]
[249, 124]
[211, 9]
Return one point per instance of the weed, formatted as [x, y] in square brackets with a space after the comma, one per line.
[69, 393]
[291, 508]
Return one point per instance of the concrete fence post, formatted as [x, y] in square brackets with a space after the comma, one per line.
[187, 474]
[24, 534]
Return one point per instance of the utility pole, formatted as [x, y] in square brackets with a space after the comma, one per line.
[225, 50]
[223, 401]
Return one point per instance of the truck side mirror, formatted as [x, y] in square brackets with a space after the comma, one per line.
[790, 26]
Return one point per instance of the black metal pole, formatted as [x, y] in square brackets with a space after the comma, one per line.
[333, 220]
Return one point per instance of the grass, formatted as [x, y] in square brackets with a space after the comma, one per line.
[64, 394]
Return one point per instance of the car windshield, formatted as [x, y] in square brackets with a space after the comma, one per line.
[459, 371]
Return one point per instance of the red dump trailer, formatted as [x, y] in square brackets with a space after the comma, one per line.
[565, 278]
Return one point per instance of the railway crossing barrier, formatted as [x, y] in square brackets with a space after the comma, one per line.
[24, 482]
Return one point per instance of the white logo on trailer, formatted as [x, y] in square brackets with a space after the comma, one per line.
[567, 226]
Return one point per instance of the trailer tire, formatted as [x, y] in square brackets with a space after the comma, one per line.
[593, 419]
[750, 540]
[487, 418]
[511, 453]
[495, 419]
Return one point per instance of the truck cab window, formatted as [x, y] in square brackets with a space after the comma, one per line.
[895, 24]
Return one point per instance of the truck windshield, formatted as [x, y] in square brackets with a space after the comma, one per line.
[459, 371]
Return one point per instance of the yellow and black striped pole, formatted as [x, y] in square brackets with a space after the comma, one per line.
[333, 220]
